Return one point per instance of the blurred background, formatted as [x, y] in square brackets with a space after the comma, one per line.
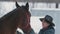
[38, 9]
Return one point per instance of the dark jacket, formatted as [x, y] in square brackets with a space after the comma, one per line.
[31, 32]
[18, 32]
[49, 30]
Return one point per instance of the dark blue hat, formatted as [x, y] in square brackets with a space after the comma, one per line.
[48, 19]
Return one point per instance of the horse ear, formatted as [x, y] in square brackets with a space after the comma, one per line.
[27, 5]
[17, 5]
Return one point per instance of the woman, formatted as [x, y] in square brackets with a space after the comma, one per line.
[48, 25]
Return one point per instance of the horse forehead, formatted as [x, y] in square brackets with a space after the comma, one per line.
[24, 7]
[24, 10]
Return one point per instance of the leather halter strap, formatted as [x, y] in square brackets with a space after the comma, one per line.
[28, 18]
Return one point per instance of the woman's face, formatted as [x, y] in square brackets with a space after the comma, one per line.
[45, 24]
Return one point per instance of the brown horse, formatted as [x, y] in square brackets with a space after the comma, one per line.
[18, 18]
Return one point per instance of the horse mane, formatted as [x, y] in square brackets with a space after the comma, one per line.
[11, 15]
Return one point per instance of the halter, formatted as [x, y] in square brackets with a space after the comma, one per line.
[28, 27]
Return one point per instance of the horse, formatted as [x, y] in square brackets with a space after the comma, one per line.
[17, 18]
